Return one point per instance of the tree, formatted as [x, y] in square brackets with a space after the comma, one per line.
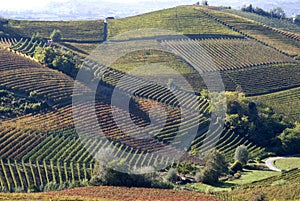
[297, 19]
[277, 13]
[171, 175]
[204, 3]
[56, 35]
[290, 140]
[248, 8]
[215, 166]
[241, 154]
[44, 55]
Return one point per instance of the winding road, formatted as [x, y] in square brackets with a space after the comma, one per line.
[269, 162]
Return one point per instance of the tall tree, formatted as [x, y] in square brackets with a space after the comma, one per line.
[241, 154]
[215, 166]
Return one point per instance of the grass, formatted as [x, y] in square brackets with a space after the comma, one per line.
[289, 192]
[287, 163]
[248, 176]
[253, 175]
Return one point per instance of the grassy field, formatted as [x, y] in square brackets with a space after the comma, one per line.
[248, 176]
[287, 163]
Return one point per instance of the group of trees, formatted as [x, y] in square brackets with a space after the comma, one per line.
[257, 122]
[273, 13]
[60, 60]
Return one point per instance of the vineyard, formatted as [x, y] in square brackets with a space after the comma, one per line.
[285, 103]
[249, 28]
[72, 30]
[183, 20]
[55, 153]
[275, 23]
[227, 54]
[283, 187]
[51, 132]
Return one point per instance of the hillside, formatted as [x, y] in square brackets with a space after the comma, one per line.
[54, 127]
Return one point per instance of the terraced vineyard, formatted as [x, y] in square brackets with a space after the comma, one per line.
[275, 23]
[183, 20]
[24, 75]
[61, 143]
[47, 147]
[257, 31]
[285, 103]
[227, 54]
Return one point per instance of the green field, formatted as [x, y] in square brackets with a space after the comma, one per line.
[287, 163]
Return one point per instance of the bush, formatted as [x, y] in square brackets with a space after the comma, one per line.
[241, 154]
[56, 35]
[236, 166]
[237, 175]
[198, 177]
[171, 175]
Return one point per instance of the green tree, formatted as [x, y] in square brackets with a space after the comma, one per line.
[241, 154]
[290, 140]
[215, 166]
[56, 35]
[171, 175]
[277, 13]
[45, 55]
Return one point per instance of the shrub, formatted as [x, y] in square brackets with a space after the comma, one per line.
[56, 35]
[171, 175]
[198, 177]
[241, 154]
[236, 166]
[237, 175]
